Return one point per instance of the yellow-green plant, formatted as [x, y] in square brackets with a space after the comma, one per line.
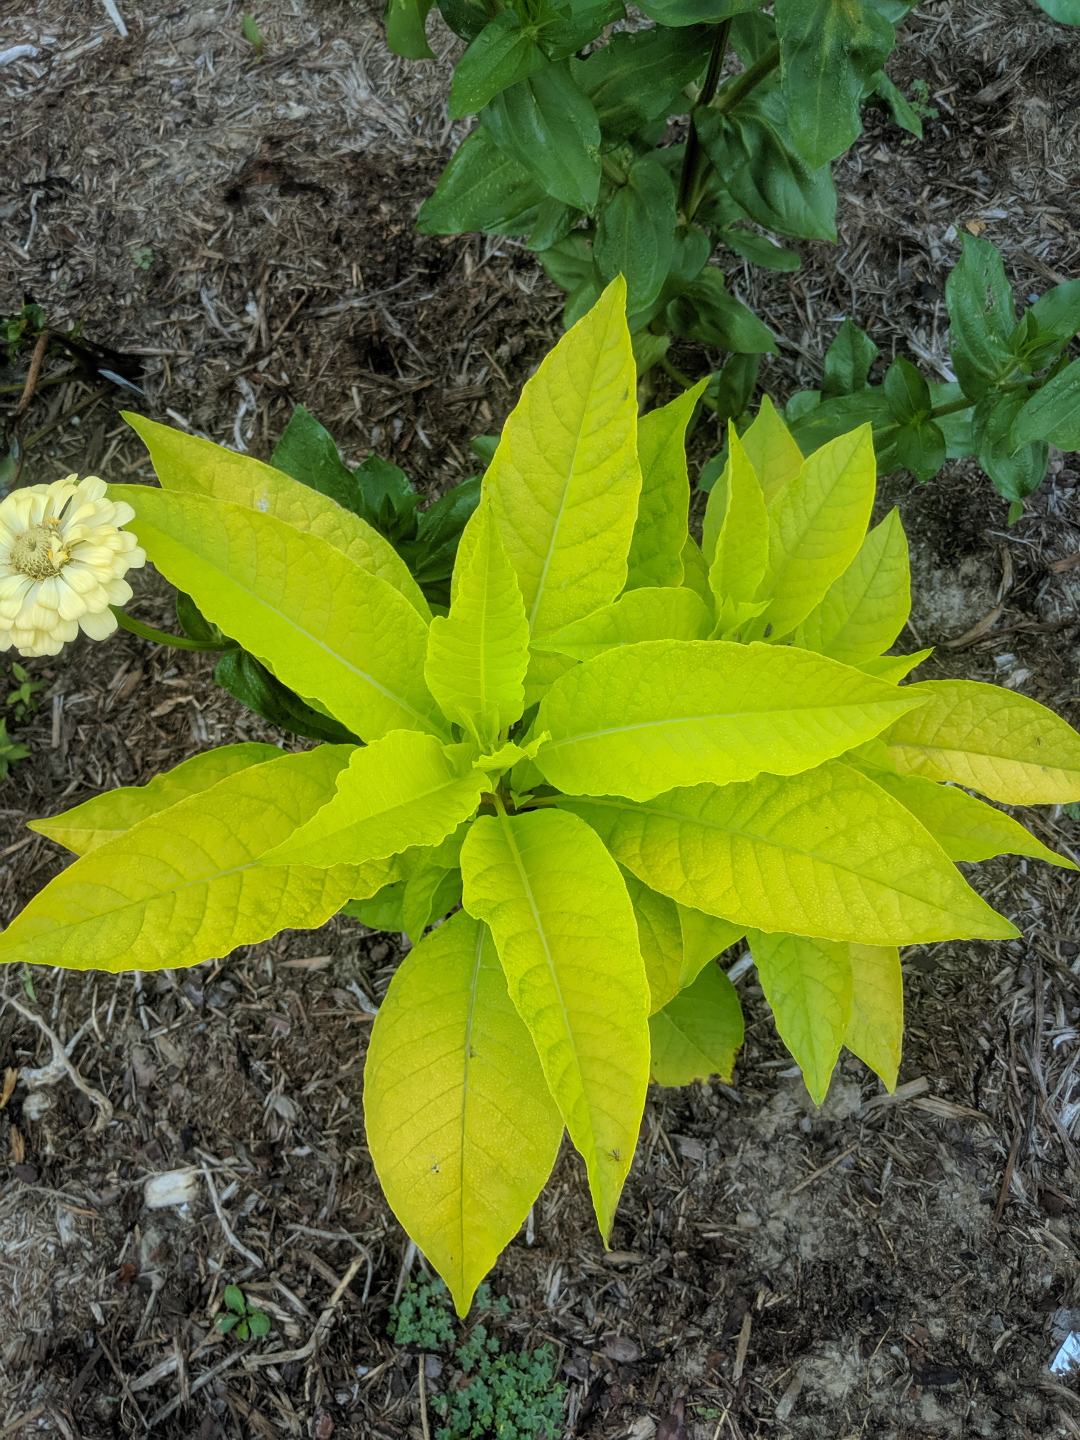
[620, 749]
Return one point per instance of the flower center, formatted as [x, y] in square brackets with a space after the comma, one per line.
[38, 551]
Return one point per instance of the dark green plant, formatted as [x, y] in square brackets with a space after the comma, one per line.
[23, 699]
[1014, 394]
[512, 1395]
[241, 1317]
[573, 149]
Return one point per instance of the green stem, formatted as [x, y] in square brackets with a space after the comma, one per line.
[178, 642]
[695, 162]
[952, 408]
[682, 379]
[741, 86]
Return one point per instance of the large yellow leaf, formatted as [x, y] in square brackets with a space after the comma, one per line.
[565, 479]
[185, 885]
[816, 525]
[403, 790]
[699, 1032]
[808, 985]
[461, 1125]
[742, 545]
[866, 608]
[187, 463]
[965, 828]
[640, 719]
[660, 531]
[660, 938]
[772, 451]
[327, 628]
[565, 931]
[1004, 745]
[108, 816]
[875, 1032]
[823, 853]
[705, 937]
[655, 613]
[478, 654]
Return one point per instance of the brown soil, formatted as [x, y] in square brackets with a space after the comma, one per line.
[882, 1267]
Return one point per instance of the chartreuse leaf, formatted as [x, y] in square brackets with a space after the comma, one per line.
[656, 545]
[185, 462]
[656, 613]
[875, 1031]
[428, 894]
[660, 938]
[965, 828]
[866, 608]
[742, 546]
[895, 667]
[696, 572]
[186, 885]
[107, 816]
[566, 935]
[328, 629]
[771, 450]
[565, 479]
[462, 1129]
[808, 985]
[400, 791]
[1009, 748]
[816, 525]
[822, 853]
[704, 938]
[642, 718]
[698, 1033]
[478, 654]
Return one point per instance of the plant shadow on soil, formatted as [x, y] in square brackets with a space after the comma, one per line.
[884, 1268]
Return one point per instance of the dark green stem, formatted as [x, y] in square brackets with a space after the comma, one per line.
[695, 161]
[683, 379]
[178, 642]
[741, 86]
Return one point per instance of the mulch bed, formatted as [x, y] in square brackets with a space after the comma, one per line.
[884, 1267]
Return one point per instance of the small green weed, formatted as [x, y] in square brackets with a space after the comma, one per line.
[10, 751]
[1072, 810]
[249, 27]
[144, 257]
[21, 330]
[920, 100]
[23, 699]
[241, 1316]
[510, 1395]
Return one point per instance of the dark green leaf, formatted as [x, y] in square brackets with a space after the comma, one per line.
[465, 17]
[568, 28]
[641, 75]
[254, 686]
[1058, 311]
[848, 361]
[908, 395]
[1017, 470]
[732, 388]
[554, 221]
[484, 447]
[829, 50]
[981, 317]
[893, 10]
[635, 233]
[920, 448]
[753, 35]
[1067, 12]
[818, 424]
[759, 249]
[483, 188]
[550, 128]
[234, 1299]
[766, 176]
[308, 453]
[705, 311]
[259, 1323]
[381, 911]
[195, 624]
[897, 104]
[1052, 413]
[956, 426]
[405, 22]
[694, 12]
[501, 55]
[649, 349]
[570, 262]
[389, 499]
[430, 556]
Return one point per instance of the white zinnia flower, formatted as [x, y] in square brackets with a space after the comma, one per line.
[62, 559]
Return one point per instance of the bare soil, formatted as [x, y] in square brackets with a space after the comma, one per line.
[884, 1267]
